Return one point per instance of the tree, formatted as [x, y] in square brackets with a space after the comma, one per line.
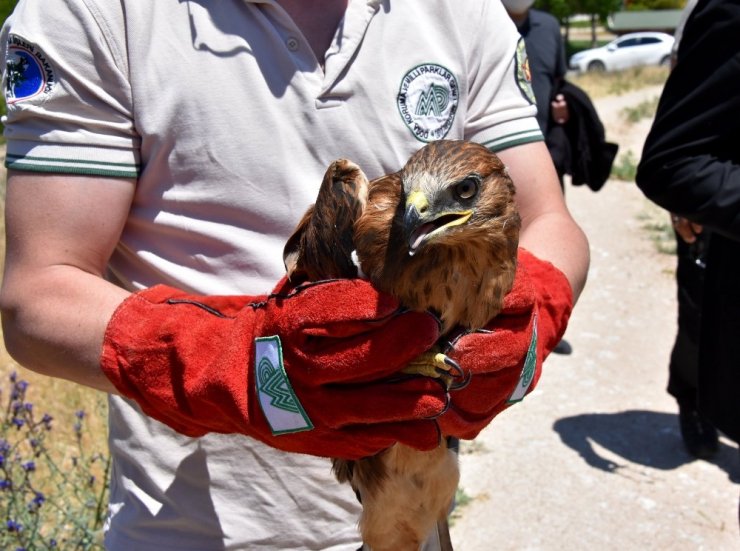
[598, 10]
[6, 8]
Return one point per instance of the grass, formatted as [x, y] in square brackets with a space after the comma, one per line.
[462, 499]
[644, 110]
[656, 222]
[599, 85]
[625, 167]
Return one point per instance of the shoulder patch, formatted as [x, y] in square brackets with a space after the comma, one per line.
[28, 72]
[427, 101]
[523, 72]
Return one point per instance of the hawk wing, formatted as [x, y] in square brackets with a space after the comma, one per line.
[321, 245]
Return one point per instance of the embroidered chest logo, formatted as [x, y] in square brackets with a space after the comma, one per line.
[428, 100]
[523, 72]
[28, 71]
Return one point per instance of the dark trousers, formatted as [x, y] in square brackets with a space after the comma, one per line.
[683, 366]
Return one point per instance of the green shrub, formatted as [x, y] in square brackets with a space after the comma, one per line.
[644, 110]
[52, 494]
[626, 167]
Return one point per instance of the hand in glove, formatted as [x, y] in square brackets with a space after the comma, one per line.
[505, 360]
[306, 370]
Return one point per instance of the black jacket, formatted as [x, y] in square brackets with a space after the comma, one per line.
[579, 147]
[691, 166]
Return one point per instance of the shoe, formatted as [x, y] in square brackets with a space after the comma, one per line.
[563, 347]
[699, 435]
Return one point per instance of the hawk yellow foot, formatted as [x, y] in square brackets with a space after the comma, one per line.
[439, 366]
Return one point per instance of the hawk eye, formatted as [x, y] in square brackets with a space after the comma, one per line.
[467, 188]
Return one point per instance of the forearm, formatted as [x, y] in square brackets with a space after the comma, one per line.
[557, 238]
[54, 320]
[55, 303]
[548, 229]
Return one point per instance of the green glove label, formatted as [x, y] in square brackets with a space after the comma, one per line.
[530, 362]
[278, 401]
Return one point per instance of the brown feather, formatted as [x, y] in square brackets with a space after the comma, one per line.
[322, 243]
[463, 274]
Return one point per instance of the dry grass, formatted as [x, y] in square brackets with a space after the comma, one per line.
[599, 85]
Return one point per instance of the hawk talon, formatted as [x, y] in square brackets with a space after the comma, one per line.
[458, 378]
[463, 383]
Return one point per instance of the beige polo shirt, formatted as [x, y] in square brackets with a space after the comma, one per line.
[223, 115]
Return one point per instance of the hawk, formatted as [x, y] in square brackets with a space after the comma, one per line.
[441, 235]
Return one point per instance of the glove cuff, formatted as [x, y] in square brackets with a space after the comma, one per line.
[553, 295]
[159, 350]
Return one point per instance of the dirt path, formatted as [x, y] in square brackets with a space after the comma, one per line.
[593, 459]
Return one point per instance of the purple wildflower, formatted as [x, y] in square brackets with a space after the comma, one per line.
[46, 420]
[37, 502]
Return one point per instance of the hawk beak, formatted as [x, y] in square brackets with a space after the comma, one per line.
[420, 223]
[417, 205]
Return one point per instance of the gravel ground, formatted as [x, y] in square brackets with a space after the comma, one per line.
[593, 458]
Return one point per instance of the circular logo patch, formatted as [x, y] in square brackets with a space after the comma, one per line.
[523, 72]
[427, 101]
[28, 73]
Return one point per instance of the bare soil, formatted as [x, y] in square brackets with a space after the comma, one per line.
[593, 458]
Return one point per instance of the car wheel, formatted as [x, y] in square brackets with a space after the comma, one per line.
[666, 61]
[597, 66]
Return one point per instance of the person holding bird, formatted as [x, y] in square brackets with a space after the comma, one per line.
[160, 155]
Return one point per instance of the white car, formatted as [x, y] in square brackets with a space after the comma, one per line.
[629, 50]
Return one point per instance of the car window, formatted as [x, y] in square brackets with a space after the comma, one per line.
[628, 43]
[650, 40]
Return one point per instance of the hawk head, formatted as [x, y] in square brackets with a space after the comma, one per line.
[442, 233]
[454, 190]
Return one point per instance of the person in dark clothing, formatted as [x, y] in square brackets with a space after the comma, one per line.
[692, 241]
[699, 435]
[546, 53]
[691, 167]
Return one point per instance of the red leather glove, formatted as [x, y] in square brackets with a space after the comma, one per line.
[304, 370]
[504, 362]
